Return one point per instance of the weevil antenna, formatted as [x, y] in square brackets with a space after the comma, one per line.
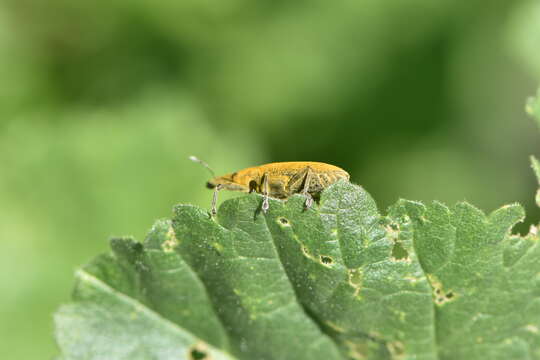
[197, 160]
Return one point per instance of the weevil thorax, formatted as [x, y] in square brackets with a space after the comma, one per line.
[237, 181]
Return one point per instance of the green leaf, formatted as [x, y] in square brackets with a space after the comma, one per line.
[337, 281]
[140, 302]
[476, 293]
[533, 107]
[536, 168]
[240, 265]
[340, 261]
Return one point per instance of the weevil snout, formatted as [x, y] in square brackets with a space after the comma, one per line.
[226, 182]
[222, 182]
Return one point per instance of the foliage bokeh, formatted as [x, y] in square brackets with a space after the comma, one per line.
[102, 102]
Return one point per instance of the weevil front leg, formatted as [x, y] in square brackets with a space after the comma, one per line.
[214, 198]
[305, 190]
[265, 191]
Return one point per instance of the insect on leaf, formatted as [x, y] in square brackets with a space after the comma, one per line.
[337, 281]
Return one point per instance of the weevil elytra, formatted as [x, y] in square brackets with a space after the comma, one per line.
[278, 180]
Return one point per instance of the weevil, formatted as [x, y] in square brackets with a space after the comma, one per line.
[277, 180]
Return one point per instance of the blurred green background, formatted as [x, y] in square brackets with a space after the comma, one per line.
[101, 103]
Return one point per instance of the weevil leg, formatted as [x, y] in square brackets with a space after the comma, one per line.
[214, 198]
[305, 190]
[265, 190]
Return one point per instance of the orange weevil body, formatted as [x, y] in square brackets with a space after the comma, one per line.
[278, 180]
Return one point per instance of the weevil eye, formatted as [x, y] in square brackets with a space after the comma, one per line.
[252, 186]
[210, 185]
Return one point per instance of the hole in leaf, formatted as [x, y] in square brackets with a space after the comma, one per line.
[326, 260]
[396, 348]
[197, 354]
[305, 250]
[399, 252]
[440, 295]
[138, 247]
[442, 298]
[283, 221]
